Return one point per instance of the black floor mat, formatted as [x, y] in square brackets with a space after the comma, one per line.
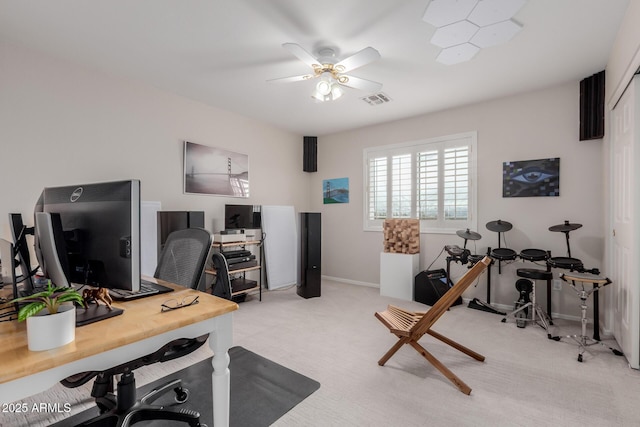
[261, 391]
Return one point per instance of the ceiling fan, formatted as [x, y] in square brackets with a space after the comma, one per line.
[331, 74]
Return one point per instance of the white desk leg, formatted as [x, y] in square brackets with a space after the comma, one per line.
[220, 340]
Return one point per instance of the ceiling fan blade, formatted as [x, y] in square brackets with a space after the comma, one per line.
[292, 79]
[358, 59]
[301, 54]
[362, 84]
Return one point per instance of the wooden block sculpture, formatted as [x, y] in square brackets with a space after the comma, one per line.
[410, 326]
[402, 236]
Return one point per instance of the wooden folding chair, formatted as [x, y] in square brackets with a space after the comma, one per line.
[410, 326]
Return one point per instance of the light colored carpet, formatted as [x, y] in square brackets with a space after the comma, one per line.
[526, 379]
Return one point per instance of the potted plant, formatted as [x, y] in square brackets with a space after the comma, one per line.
[50, 316]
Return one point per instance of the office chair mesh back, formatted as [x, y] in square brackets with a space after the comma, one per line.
[184, 256]
[182, 262]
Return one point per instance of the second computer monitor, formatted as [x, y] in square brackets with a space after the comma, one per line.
[54, 261]
[101, 225]
[19, 234]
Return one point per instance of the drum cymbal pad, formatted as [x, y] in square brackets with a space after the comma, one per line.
[468, 235]
[499, 226]
[567, 226]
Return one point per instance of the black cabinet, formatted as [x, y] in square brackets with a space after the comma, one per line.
[169, 221]
[310, 254]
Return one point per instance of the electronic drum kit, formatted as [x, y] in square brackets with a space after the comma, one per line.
[526, 308]
[501, 254]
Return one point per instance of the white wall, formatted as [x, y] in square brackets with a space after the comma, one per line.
[541, 124]
[63, 124]
[69, 124]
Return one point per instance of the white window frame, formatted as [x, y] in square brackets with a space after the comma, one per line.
[439, 226]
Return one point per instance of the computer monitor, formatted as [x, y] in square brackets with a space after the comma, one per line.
[19, 234]
[241, 216]
[8, 267]
[101, 224]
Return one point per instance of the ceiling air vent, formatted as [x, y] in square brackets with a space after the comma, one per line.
[377, 99]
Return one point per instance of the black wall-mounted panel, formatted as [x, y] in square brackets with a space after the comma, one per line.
[310, 154]
[592, 107]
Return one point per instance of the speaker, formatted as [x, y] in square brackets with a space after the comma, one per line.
[430, 285]
[310, 257]
[592, 107]
[169, 221]
[310, 154]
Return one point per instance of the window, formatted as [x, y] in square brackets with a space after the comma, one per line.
[433, 180]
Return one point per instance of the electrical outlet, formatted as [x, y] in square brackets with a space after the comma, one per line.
[557, 284]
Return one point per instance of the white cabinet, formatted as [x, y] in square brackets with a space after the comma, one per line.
[397, 274]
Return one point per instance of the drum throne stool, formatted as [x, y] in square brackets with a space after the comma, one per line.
[526, 308]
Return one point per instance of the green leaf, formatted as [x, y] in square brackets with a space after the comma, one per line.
[29, 310]
[33, 297]
[75, 297]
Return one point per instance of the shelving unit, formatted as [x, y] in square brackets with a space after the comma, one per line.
[241, 290]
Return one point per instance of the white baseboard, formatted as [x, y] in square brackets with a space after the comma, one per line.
[351, 282]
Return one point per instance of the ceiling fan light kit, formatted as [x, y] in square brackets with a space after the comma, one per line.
[331, 73]
[463, 27]
[324, 86]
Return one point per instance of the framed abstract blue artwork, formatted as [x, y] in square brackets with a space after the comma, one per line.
[531, 178]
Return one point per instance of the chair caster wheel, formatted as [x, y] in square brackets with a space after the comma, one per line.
[182, 394]
[579, 358]
[504, 320]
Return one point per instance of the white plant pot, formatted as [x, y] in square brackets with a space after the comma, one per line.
[46, 331]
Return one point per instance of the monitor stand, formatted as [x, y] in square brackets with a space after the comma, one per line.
[94, 313]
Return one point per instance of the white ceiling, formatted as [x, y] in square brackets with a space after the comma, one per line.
[221, 52]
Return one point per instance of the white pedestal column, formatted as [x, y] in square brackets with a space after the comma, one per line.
[397, 273]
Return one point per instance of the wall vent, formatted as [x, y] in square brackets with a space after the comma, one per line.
[376, 99]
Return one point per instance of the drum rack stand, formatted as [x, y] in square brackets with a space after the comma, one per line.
[498, 226]
[478, 304]
[566, 228]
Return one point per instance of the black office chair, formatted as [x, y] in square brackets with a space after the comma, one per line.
[222, 285]
[182, 262]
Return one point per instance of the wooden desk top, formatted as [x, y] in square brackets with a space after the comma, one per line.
[141, 319]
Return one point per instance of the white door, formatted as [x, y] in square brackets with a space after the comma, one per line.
[624, 215]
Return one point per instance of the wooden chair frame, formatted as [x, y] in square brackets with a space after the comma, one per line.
[410, 326]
